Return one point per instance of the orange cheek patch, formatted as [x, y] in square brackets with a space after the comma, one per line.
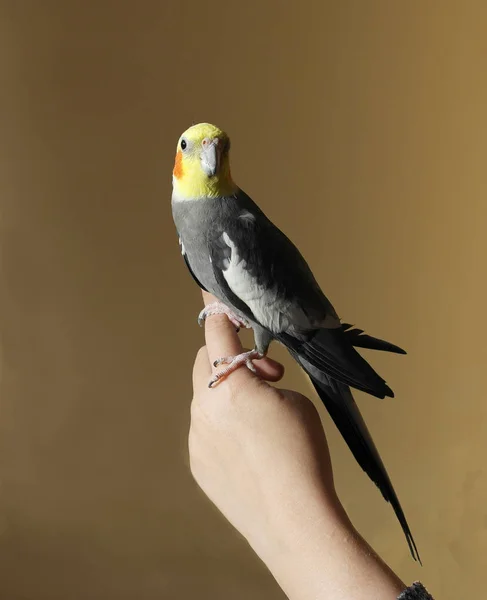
[178, 165]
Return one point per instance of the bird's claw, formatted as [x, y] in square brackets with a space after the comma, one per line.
[218, 308]
[234, 362]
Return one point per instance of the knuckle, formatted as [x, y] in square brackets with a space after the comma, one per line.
[243, 384]
[194, 409]
[201, 351]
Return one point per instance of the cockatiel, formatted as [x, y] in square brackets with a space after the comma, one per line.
[262, 281]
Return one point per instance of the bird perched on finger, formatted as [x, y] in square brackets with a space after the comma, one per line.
[262, 281]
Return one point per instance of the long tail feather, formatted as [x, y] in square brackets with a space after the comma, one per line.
[359, 339]
[342, 408]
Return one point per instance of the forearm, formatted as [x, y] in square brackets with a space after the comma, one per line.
[324, 558]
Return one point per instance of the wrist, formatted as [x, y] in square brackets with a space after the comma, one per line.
[296, 532]
[317, 554]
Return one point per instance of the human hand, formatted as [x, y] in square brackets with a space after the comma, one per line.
[260, 455]
[258, 452]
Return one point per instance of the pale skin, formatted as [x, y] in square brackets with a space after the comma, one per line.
[260, 455]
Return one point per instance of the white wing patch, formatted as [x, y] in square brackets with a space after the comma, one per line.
[183, 251]
[269, 308]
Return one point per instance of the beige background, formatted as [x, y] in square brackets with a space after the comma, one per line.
[360, 128]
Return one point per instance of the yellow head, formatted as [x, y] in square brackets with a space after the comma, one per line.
[202, 166]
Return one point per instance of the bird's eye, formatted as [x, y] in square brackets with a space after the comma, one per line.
[183, 144]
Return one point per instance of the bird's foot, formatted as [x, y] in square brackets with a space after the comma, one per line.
[218, 308]
[234, 362]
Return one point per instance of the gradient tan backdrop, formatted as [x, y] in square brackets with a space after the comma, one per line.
[360, 128]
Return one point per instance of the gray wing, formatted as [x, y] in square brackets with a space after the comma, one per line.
[265, 277]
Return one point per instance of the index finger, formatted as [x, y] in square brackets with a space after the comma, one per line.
[220, 335]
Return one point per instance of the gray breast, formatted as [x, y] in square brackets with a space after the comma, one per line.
[193, 220]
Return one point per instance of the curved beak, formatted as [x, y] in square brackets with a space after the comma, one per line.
[210, 156]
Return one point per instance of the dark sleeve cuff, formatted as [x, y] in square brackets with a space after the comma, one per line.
[416, 592]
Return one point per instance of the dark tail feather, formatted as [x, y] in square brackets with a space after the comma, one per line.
[339, 402]
[329, 351]
[359, 339]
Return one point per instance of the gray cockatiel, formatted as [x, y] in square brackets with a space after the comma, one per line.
[261, 281]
